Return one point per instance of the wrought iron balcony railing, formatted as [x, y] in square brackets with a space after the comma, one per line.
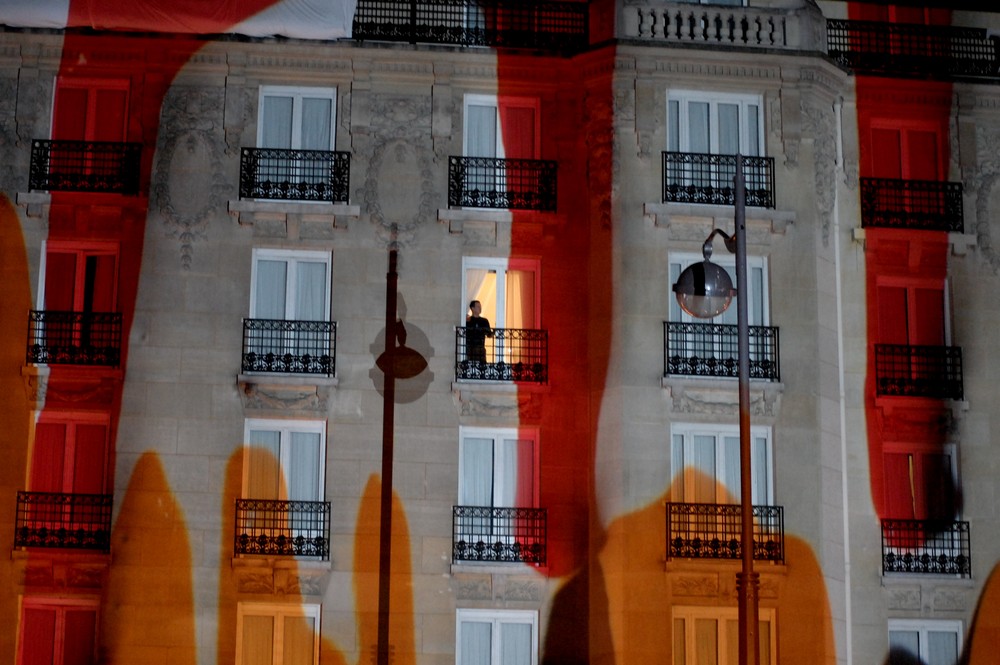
[283, 528]
[927, 205]
[534, 24]
[712, 349]
[510, 184]
[85, 166]
[295, 175]
[74, 338]
[73, 521]
[906, 49]
[712, 531]
[692, 177]
[934, 547]
[290, 347]
[510, 354]
[919, 371]
[485, 533]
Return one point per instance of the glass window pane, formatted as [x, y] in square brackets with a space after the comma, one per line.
[298, 639]
[316, 115]
[753, 130]
[731, 456]
[477, 472]
[703, 461]
[263, 465]
[258, 640]
[698, 127]
[673, 126]
[729, 129]
[304, 461]
[520, 309]
[270, 289]
[679, 643]
[481, 140]
[310, 291]
[706, 642]
[732, 636]
[475, 643]
[677, 467]
[905, 641]
[515, 644]
[276, 122]
[942, 647]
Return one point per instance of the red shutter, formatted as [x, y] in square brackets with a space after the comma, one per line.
[48, 457]
[886, 153]
[921, 158]
[69, 121]
[38, 636]
[899, 486]
[927, 323]
[90, 459]
[892, 315]
[81, 631]
[60, 281]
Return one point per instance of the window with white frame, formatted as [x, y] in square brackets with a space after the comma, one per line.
[58, 631]
[284, 460]
[290, 285]
[507, 288]
[714, 123]
[505, 127]
[758, 304]
[929, 641]
[706, 463]
[498, 467]
[710, 636]
[297, 118]
[496, 637]
[277, 634]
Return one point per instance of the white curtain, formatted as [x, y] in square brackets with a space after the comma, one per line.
[475, 645]
[481, 285]
[698, 128]
[520, 299]
[270, 289]
[477, 472]
[303, 472]
[753, 130]
[908, 640]
[316, 115]
[515, 644]
[298, 640]
[677, 468]
[310, 296]
[731, 451]
[703, 461]
[481, 140]
[759, 471]
[729, 129]
[276, 122]
[263, 459]
[942, 648]
[258, 640]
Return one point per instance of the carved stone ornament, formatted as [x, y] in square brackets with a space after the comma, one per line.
[695, 585]
[523, 405]
[519, 589]
[254, 581]
[696, 398]
[820, 123]
[473, 587]
[598, 117]
[903, 598]
[311, 396]
[949, 599]
[987, 194]
[398, 189]
[189, 181]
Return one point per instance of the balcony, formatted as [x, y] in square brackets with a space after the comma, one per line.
[711, 349]
[931, 547]
[85, 166]
[925, 205]
[511, 354]
[295, 175]
[705, 179]
[549, 26]
[283, 528]
[505, 184]
[289, 347]
[923, 51]
[70, 521]
[918, 371]
[712, 531]
[74, 338]
[502, 535]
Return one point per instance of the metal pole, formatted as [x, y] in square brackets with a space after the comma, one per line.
[747, 581]
[388, 422]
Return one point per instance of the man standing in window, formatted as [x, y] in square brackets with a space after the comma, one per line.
[477, 329]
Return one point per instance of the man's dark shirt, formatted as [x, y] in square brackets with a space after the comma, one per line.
[477, 329]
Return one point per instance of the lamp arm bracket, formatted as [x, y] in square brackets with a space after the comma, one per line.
[730, 240]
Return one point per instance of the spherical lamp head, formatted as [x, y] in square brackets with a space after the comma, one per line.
[704, 290]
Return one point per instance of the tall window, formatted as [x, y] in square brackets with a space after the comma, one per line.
[710, 636]
[70, 453]
[934, 642]
[90, 109]
[706, 464]
[58, 632]
[496, 637]
[285, 460]
[921, 481]
[290, 285]
[506, 127]
[758, 306]
[912, 312]
[80, 277]
[498, 468]
[719, 124]
[508, 289]
[277, 634]
[297, 118]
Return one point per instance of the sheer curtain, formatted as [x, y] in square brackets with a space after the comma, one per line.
[520, 299]
[515, 644]
[276, 123]
[264, 465]
[477, 472]
[310, 292]
[304, 454]
[299, 637]
[269, 302]
[703, 461]
[731, 452]
[475, 645]
[481, 127]
[258, 640]
[316, 122]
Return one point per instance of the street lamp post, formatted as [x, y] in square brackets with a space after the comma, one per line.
[704, 290]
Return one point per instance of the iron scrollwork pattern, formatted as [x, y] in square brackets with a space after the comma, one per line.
[487, 533]
[706, 179]
[713, 531]
[510, 354]
[291, 347]
[927, 205]
[711, 349]
[283, 528]
[85, 166]
[506, 184]
[72, 521]
[919, 371]
[295, 175]
[934, 547]
[74, 338]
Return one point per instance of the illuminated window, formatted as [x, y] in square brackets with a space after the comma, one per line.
[710, 636]
[274, 634]
[58, 632]
[706, 463]
[285, 460]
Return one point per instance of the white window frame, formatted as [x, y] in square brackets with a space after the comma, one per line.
[499, 434]
[60, 606]
[496, 618]
[681, 485]
[759, 305]
[498, 102]
[285, 428]
[297, 93]
[713, 99]
[721, 615]
[925, 626]
[278, 611]
[291, 257]
[502, 265]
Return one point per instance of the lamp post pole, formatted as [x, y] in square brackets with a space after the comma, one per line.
[747, 581]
